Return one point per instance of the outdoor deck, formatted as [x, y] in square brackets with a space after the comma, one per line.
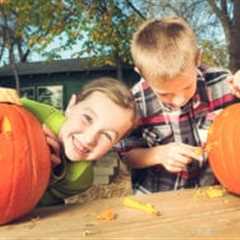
[184, 215]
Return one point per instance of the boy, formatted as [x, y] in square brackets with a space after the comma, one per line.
[176, 100]
[96, 119]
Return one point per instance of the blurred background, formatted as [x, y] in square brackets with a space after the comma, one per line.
[50, 48]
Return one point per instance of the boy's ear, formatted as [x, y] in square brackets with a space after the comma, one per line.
[199, 57]
[71, 103]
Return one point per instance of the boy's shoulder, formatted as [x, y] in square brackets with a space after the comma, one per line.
[137, 87]
[140, 87]
[213, 75]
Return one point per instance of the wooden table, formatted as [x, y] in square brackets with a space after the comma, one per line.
[183, 216]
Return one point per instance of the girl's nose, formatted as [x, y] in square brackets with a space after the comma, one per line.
[91, 137]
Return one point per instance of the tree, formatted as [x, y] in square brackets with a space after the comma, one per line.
[28, 25]
[108, 25]
[103, 28]
[228, 12]
[214, 53]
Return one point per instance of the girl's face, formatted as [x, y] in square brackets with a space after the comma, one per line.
[93, 126]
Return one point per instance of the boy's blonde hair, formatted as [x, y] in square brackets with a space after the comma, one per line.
[114, 89]
[163, 48]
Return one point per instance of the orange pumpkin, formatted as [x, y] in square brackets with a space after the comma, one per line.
[224, 148]
[24, 160]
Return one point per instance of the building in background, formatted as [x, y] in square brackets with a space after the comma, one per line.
[54, 82]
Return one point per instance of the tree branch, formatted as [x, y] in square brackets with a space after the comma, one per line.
[222, 14]
[130, 4]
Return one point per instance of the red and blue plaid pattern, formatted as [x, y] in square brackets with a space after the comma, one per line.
[161, 125]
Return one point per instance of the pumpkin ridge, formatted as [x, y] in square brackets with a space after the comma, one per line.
[13, 187]
[223, 150]
[235, 137]
[33, 155]
[29, 161]
[26, 156]
[11, 193]
[221, 143]
[224, 158]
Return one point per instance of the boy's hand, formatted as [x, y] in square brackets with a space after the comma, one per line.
[9, 95]
[175, 156]
[54, 145]
[234, 82]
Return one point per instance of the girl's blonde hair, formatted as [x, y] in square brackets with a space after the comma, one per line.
[114, 89]
[163, 48]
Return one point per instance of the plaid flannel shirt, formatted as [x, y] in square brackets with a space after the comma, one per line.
[160, 125]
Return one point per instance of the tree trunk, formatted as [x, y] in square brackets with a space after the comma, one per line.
[231, 22]
[234, 44]
[118, 62]
[14, 69]
[119, 71]
[234, 50]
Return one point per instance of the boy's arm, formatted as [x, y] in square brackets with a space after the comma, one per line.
[174, 157]
[140, 157]
[219, 88]
[234, 82]
[133, 150]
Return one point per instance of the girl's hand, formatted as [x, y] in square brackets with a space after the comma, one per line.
[54, 145]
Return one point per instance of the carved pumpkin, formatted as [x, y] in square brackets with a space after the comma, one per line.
[224, 148]
[24, 162]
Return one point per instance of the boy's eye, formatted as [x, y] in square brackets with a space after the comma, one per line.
[187, 88]
[165, 94]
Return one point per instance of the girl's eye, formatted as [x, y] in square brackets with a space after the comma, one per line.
[87, 118]
[108, 136]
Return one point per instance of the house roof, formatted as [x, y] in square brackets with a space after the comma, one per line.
[66, 65]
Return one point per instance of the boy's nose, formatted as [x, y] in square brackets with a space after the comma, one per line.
[178, 101]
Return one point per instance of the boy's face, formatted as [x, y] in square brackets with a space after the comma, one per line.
[93, 126]
[176, 92]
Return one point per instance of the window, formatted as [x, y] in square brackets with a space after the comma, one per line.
[28, 92]
[52, 95]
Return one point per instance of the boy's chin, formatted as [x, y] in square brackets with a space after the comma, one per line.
[174, 107]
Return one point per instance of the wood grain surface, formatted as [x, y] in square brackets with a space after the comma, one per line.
[184, 215]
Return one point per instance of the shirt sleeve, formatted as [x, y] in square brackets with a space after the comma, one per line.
[134, 140]
[219, 89]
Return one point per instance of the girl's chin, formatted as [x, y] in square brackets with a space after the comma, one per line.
[74, 157]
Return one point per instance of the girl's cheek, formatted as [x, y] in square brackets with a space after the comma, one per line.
[78, 124]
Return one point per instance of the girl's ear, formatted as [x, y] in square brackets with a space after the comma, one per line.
[71, 103]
